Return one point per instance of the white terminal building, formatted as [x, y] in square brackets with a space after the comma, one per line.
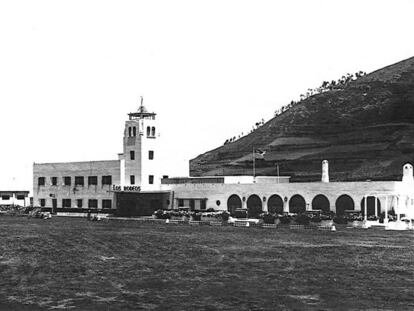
[133, 185]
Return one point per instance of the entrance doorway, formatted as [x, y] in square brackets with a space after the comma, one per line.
[234, 202]
[344, 203]
[254, 205]
[297, 204]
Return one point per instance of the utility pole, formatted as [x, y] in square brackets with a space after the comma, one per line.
[254, 164]
[277, 167]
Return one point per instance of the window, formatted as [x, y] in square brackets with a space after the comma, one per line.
[79, 181]
[92, 180]
[66, 203]
[132, 180]
[132, 155]
[180, 202]
[5, 197]
[203, 204]
[54, 203]
[42, 202]
[106, 203]
[20, 197]
[129, 131]
[134, 131]
[79, 203]
[92, 203]
[67, 180]
[41, 181]
[151, 179]
[148, 131]
[54, 181]
[153, 131]
[151, 154]
[107, 180]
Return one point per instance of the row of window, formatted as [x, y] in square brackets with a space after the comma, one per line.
[132, 131]
[7, 197]
[150, 179]
[79, 180]
[192, 202]
[150, 155]
[67, 203]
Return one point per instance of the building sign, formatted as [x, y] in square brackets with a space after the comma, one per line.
[126, 188]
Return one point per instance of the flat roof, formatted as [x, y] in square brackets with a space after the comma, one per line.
[70, 162]
[247, 179]
[14, 191]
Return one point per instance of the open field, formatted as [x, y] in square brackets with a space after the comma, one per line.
[66, 263]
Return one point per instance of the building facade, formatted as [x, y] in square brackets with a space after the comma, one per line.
[14, 198]
[270, 195]
[77, 187]
[133, 185]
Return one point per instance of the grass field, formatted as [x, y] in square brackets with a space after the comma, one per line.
[66, 263]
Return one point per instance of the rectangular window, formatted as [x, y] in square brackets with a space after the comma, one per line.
[79, 203]
[132, 180]
[66, 203]
[20, 197]
[132, 155]
[54, 203]
[151, 155]
[106, 203]
[67, 180]
[92, 180]
[41, 181]
[180, 202]
[92, 203]
[151, 179]
[107, 180]
[5, 197]
[203, 204]
[42, 202]
[54, 181]
[79, 181]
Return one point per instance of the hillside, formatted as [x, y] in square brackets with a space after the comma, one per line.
[365, 129]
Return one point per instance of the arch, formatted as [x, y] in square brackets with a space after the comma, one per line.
[321, 202]
[148, 131]
[370, 206]
[134, 131]
[254, 205]
[233, 202]
[275, 204]
[343, 203]
[297, 204]
[153, 131]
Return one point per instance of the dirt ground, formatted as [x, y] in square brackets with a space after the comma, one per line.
[66, 263]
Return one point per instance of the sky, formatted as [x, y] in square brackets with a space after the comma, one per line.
[70, 71]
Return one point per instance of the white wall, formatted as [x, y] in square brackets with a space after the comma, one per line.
[333, 190]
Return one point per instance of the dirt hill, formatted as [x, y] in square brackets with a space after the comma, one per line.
[364, 128]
